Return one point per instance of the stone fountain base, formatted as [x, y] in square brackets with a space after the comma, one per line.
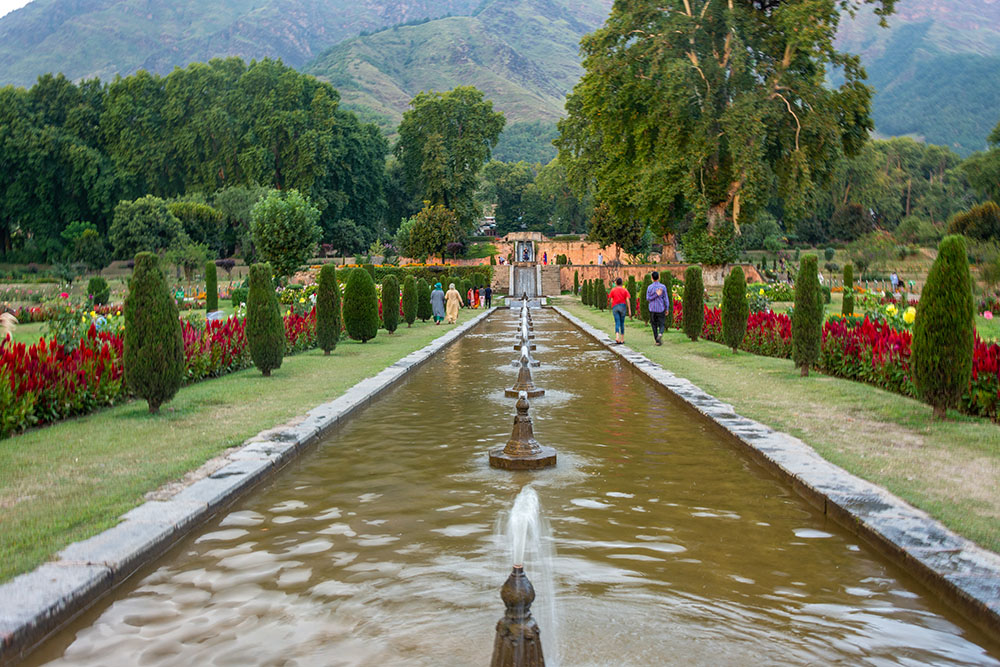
[545, 457]
[532, 393]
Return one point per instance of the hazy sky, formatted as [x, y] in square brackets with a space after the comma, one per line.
[7, 6]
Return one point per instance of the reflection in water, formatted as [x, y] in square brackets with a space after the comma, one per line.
[378, 548]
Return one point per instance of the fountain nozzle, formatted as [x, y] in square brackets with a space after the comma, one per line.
[518, 642]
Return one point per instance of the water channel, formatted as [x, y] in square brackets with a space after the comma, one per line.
[379, 547]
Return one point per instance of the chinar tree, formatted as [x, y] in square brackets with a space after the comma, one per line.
[702, 111]
[444, 140]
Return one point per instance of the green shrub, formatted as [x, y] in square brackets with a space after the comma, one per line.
[390, 303]
[944, 329]
[264, 327]
[370, 268]
[327, 309]
[239, 295]
[410, 300]
[807, 319]
[284, 229]
[424, 311]
[828, 254]
[98, 291]
[848, 307]
[602, 295]
[667, 279]
[153, 354]
[632, 290]
[211, 287]
[643, 304]
[145, 224]
[694, 302]
[735, 309]
[576, 282]
[464, 291]
[980, 222]
[360, 306]
[493, 260]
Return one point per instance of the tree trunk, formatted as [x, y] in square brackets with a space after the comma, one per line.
[805, 370]
[716, 216]
[326, 353]
[940, 412]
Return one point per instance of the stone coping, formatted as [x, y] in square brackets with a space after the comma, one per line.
[964, 574]
[37, 603]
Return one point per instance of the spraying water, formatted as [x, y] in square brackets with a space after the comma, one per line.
[527, 536]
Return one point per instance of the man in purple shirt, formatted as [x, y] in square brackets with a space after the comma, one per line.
[659, 301]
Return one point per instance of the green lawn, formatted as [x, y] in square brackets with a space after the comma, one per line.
[950, 469]
[71, 480]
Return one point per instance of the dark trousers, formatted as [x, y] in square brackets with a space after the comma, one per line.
[659, 323]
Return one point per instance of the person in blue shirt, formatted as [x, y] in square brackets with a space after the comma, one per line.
[659, 301]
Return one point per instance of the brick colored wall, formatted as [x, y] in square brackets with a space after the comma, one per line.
[713, 276]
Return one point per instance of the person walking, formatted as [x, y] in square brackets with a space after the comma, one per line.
[453, 303]
[437, 303]
[489, 296]
[659, 301]
[621, 305]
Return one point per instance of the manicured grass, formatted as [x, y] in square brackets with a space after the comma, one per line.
[73, 479]
[950, 469]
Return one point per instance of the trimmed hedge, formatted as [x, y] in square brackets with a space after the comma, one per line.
[327, 309]
[694, 302]
[576, 282]
[601, 295]
[390, 303]
[153, 348]
[265, 328]
[944, 330]
[848, 307]
[211, 287]
[807, 319]
[98, 291]
[410, 300]
[424, 310]
[361, 306]
[735, 309]
[643, 303]
[667, 279]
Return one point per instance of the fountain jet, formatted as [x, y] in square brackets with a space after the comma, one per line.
[522, 451]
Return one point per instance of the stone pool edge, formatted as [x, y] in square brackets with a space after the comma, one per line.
[965, 575]
[36, 604]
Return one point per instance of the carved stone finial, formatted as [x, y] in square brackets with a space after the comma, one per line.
[522, 451]
[524, 383]
[518, 641]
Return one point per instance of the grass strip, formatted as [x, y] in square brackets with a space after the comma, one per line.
[950, 469]
[71, 480]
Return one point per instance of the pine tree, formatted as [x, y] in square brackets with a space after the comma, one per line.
[848, 308]
[576, 282]
[361, 306]
[735, 309]
[327, 309]
[153, 354]
[390, 303]
[944, 330]
[643, 304]
[668, 284]
[424, 311]
[807, 320]
[602, 295]
[694, 302]
[410, 300]
[211, 287]
[264, 326]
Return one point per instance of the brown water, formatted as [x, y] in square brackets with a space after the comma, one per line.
[378, 548]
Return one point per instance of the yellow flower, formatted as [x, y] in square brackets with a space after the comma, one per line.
[761, 292]
[93, 313]
[117, 313]
[891, 309]
[910, 315]
[302, 300]
[83, 319]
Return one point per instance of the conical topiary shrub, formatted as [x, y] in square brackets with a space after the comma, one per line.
[944, 330]
[848, 307]
[464, 289]
[410, 300]
[643, 304]
[735, 308]
[807, 320]
[667, 279]
[576, 282]
[390, 303]
[211, 287]
[632, 290]
[585, 293]
[602, 295]
[327, 309]
[153, 348]
[424, 310]
[693, 311]
[361, 306]
[265, 328]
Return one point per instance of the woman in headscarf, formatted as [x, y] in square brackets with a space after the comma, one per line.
[454, 302]
[437, 303]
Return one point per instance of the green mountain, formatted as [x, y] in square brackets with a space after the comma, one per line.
[936, 70]
[88, 38]
[523, 54]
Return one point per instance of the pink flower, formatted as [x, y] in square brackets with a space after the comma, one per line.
[63, 295]
[988, 315]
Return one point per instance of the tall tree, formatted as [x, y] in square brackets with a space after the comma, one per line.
[700, 111]
[444, 140]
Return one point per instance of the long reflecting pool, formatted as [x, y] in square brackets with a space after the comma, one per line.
[378, 547]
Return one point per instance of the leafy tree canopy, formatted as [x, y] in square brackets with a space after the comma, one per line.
[284, 230]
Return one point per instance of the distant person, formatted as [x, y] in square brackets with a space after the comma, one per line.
[453, 302]
[545, 257]
[600, 258]
[489, 296]
[482, 296]
[659, 301]
[437, 303]
[469, 298]
[894, 279]
[621, 305]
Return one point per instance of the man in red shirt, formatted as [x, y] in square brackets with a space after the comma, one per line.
[621, 305]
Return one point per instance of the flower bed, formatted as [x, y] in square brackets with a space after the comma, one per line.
[48, 381]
